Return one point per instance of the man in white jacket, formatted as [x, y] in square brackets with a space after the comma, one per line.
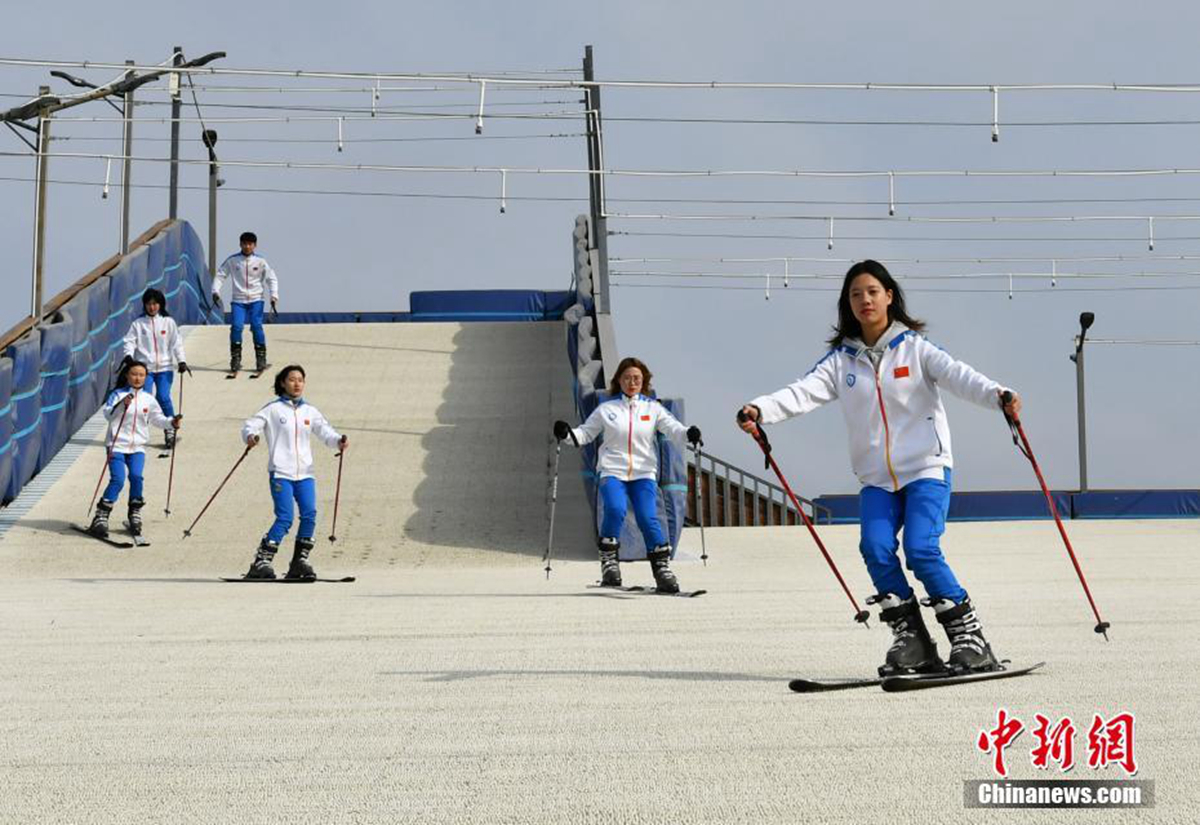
[253, 282]
[889, 380]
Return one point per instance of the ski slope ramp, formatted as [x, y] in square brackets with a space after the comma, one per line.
[449, 463]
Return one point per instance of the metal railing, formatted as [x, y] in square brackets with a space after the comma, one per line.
[731, 497]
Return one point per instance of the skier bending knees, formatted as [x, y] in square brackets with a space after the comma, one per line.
[289, 424]
[888, 378]
[628, 465]
[154, 339]
[130, 411]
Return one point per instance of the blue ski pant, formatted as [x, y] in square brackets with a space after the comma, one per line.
[118, 464]
[617, 494]
[919, 508]
[239, 314]
[304, 495]
[159, 385]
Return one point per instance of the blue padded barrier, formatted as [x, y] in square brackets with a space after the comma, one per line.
[53, 379]
[335, 318]
[486, 305]
[1136, 504]
[26, 410]
[6, 439]
[1018, 505]
[55, 374]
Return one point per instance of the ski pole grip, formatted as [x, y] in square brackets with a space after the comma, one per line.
[1006, 398]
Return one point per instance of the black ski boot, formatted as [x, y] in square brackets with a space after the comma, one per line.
[99, 525]
[610, 563]
[235, 357]
[913, 649]
[969, 651]
[260, 357]
[300, 568]
[660, 566]
[135, 516]
[261, 567]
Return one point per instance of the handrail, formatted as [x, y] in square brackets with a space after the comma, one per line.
[764, 495]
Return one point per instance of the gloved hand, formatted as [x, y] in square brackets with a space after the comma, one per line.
[561, 429]
[217, 301]
[693, 436]
[177, 422]
[274, 311]
[128, 359]
[183, 367]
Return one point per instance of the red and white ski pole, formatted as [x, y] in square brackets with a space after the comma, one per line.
[760, 438]
[174, 447]
[1018, 432]
[108, 458]
[245, 453]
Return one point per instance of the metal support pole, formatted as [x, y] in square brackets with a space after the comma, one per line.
[39, 212]
[176, 111]
[209, 138]
[596, 189]
[127, 170]
[1086, 319]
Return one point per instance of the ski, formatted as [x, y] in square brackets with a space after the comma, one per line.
[310, 580]
[637, 588]
[138, 540]
[823, 685]
[898, 684]
[258, 373]
[231, 374]
[124, 545]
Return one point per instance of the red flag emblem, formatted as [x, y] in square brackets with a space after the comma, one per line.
[645, 418]
[900, 372]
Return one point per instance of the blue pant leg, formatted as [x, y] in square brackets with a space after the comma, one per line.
[136, 462]
[881, 514]
[237, 321]
[256, 323]
[116, 477]
[927, 501]
[644, 494]
[306, 499]
[616, 500]
[283, 494]
[162, 391]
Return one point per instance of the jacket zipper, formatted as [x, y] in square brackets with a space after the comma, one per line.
[887, 438]
[133, 422]
[296, 440]
[629, 473]
[154, 338]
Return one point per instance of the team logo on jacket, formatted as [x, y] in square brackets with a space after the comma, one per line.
[850, 379]
[900, 372]
[611, 416]
[307, 422]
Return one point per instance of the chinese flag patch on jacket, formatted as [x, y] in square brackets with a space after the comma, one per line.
[900, 372]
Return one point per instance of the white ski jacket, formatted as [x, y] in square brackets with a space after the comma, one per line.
[893, 409]
[629, 425]
[129, 428]
[289, 426]
[155, 341]
[252, 277]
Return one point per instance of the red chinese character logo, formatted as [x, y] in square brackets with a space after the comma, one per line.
[1111, 743]
[1007, 729]
[1057, 743]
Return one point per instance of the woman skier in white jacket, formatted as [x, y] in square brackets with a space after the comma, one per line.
[628, 467]
[888, 378]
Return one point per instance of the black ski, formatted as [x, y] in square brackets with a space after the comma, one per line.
[311, 580]
[258, 373]
[823, 685]
[898, 684]
[124, 545]
[231, 374]
[637, 588]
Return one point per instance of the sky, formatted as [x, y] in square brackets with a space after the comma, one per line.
[715, 348]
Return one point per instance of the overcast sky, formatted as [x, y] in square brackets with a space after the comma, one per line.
[713, 347]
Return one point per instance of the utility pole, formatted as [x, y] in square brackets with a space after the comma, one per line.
[176, 111]
[209, 138]
[1086, 319]
[127, 168]
[596, 185]
[39, 209]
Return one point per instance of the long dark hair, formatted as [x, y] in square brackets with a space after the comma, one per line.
[847, 325]
[153, 294]
[123, 374]
[280, 376]
[614, 386]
